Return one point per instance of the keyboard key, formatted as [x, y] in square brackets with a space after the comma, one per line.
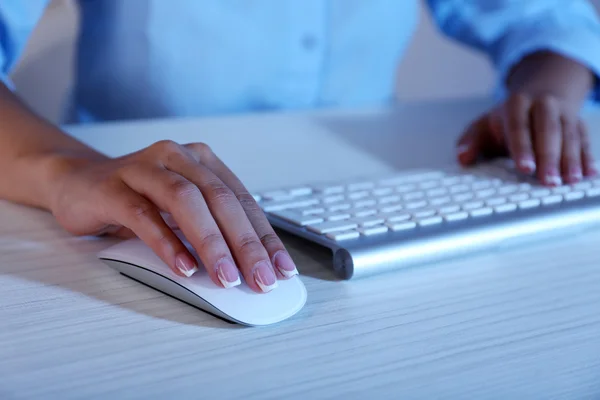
[358, 195]
[473, 205]
[362, 212]
[561, 190]
[496, 201]
[540, 193]
[508, 189]
[430, 221]
[312, 210]
[360, 186]
[401, 226]
[364, 203]
[382, 191]
[329, 189]
[373, 230]
[429, 212]
[257, 197]
[504, 208]
[450, 208]
[298, 218]
[332, 226]
[339, 207]
[593, 192]
[343, 235]
[428, 184]
[481, 194]
[391, 208]
[459, 198]
[300, 191]
[519, 197]
[481, 212]
[440, 200]
[457, 216]
[414, 196]
[286, 204]
[333, 199]
[405, 188]
[552, 199]
[369, 220]
[389, 199]
[335, 216]
[415, 204]
[531, 203]
[459, 188]
[276, 194]
[582, 185]
[574, 196]
[397, 217]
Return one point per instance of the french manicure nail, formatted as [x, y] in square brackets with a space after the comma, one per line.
[185, 264]
[527, 164]
[462, 148]
[227, 273]
[264, 276]
[284, 264]
[553, 178]
[575, 174]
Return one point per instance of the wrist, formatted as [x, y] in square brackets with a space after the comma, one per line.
[550, 74]
[50, 172]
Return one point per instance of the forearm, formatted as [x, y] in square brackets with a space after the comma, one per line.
[546, 73]
[32, 153]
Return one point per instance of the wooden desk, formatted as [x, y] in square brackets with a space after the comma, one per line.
[518, 324]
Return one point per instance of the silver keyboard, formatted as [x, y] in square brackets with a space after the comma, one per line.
[423, 216]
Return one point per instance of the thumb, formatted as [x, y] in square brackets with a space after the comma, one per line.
[469, 146]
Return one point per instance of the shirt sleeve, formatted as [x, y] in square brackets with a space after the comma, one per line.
[17, 20]
[509, 30]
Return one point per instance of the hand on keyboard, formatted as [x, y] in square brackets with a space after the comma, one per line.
[538, 125]
[552, 143]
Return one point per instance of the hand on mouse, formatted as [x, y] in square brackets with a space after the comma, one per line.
[126, 196]
[538, 125]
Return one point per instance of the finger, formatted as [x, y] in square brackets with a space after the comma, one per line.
[279, 256]
[517, 131]
[571, 152]
[251, 256]
[469, 146]
[183, 200]
[135, 213]
[547, 140]
[587, 159]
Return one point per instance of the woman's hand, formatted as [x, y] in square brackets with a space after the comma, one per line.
[541, 134]
[131, 194]
[538, 125]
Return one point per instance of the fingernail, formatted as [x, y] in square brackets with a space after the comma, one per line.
[284, 264]
[185, 264]
[227, 273]
[552, 177]
[462, 148]
[527, 164]
[575, 174]
[264, 276]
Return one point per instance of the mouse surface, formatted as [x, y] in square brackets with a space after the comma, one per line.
[239, 304]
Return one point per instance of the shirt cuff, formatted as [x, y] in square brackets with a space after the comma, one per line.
[578, 43]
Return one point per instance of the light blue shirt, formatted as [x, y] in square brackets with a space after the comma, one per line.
[157, 58]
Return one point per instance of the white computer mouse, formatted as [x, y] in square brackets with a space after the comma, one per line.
[239, 304]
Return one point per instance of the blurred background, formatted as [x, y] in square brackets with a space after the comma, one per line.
[44, 74]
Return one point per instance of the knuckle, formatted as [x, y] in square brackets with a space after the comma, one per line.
[140, 210]
[247, 201]
[518, 99]
[548, 101]
[203, 150]
[219, 191]
[167, 146]
[269, 239]
[180, 189]
[211, 239]
[248, 242]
